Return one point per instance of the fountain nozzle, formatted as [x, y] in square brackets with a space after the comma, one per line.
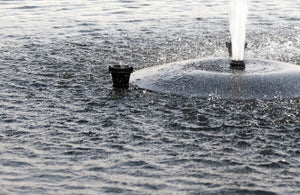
[120, 75]
[237, 64]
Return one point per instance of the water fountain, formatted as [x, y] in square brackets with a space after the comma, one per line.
[221, 77]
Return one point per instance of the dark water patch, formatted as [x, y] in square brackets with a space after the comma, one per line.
[82, 121]
[202, 161]
[275, 165]
[120, 147]
[74, 187]
[151, 167]
[174, 162]
[245, 134]
[120, 13]
[294, 19]
[38, 85]
[267, 152]
[134, 21]
[89, 134]
[135, 163]
[210, 162]
[246, 192]
[15, 133]
[53, 177]
[290, 174]
[114, 190]
[47, 74]
[8, 120]
[229, 150]
[28, 7]
[231, 162]
[243, 170]
[243, 144]
[142, 138]
[14, 163]
[87, 24]
[152, 187]
[198, 186]
[15, 179]
[23, 152]
[86, 31]
[97, 169]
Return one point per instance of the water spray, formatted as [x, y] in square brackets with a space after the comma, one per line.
[238, 19]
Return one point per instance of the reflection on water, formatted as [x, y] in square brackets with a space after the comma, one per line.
[63, 129]
[236, 84]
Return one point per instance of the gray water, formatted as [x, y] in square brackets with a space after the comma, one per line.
[64, 130]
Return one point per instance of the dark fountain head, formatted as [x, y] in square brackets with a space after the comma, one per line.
[237, 64]
[120, 76]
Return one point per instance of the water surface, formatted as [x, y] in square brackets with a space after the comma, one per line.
[64, 130]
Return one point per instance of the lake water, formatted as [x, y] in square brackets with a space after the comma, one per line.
[64, 130]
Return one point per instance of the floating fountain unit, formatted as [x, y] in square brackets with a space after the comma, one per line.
[235, 78]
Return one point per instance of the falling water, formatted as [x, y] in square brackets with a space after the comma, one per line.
[238, 18]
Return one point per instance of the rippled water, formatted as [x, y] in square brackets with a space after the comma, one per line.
[64, 130]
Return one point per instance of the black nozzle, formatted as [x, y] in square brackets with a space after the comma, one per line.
[237, 64]
[120, 75]
[229, 47]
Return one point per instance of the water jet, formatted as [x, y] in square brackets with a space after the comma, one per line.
[229, 47]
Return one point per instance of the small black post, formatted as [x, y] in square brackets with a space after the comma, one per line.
[120, 75]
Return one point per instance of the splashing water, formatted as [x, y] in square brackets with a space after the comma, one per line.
[238, 19]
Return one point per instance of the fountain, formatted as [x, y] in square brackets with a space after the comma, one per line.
[236, 78]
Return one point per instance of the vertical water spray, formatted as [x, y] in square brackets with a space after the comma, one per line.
[238, 19]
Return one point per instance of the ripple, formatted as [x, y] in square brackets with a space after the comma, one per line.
[13, 163]
[275, 165]
[135, 163]
[113, 190]
[27, 7]
[247, 192]
[243, 144]
[96, 169]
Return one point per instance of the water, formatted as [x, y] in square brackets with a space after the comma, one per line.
[63, 130]
[238, 19]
